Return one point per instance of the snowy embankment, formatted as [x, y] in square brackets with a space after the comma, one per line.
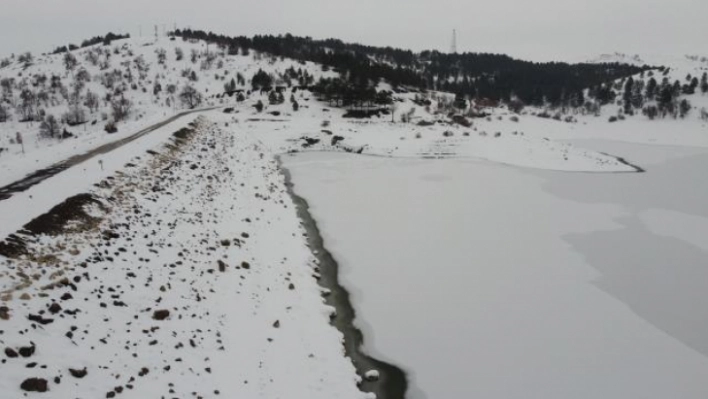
[182, 273]
[316, 127]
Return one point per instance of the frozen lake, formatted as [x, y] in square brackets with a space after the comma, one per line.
[490, 281]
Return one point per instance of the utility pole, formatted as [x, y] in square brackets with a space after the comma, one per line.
[453, 47]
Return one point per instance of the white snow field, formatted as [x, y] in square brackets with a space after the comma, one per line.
[491, 281]
[518, 257]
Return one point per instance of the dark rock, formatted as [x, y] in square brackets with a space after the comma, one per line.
[276, 324]
[27, 351]
[54, 308]
[11, 353]
[245, 265]
[39, 319]
[4, 313]
[34, 385]
[78, 373]
[222, 265]
[161, 314]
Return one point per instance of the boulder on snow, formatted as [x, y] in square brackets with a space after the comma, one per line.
[78, 373]
[34, 385]
[161, 314]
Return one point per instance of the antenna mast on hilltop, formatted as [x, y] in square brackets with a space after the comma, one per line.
[453, 47]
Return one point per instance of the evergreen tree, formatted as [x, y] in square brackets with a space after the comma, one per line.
[627, 96]
[704, 83]
[651, 89]
[684, 108]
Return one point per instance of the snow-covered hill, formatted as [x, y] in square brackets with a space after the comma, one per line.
[133, 69]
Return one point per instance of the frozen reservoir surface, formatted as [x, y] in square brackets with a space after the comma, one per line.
[489, 281]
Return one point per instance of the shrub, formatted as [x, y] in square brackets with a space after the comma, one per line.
[110, 127]
[259, 106]
[613, 119]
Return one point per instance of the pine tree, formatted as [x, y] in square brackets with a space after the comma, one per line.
[651, 89]
[684, 108]
[627, 96]
[704, 83]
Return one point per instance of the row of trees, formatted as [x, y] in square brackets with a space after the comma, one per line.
[481, 76]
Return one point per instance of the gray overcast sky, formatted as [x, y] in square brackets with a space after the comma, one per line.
[530, 29]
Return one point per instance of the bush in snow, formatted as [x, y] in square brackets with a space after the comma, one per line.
[161, 56]
[26, 59]
[613, 119]
[259, 106]
[514, 118]
[110, 127]
[684, 108]
[447, 133]
[275, 97]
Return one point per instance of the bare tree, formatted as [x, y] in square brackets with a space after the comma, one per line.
[190, 96]
[4, 115]
[121, 107]
[26, 105]
[70, 62]
[50, 127]
[91, 101]
[26, 59]
[93, 57]
[7, 84]
[83, 76]
[142, 66]
[161, 56]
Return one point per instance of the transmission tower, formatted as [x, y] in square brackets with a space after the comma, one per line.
[453, 46]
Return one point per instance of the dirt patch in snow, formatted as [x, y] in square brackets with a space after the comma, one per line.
[77, 214]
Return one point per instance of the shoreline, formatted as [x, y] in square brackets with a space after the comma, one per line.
[392, 382]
